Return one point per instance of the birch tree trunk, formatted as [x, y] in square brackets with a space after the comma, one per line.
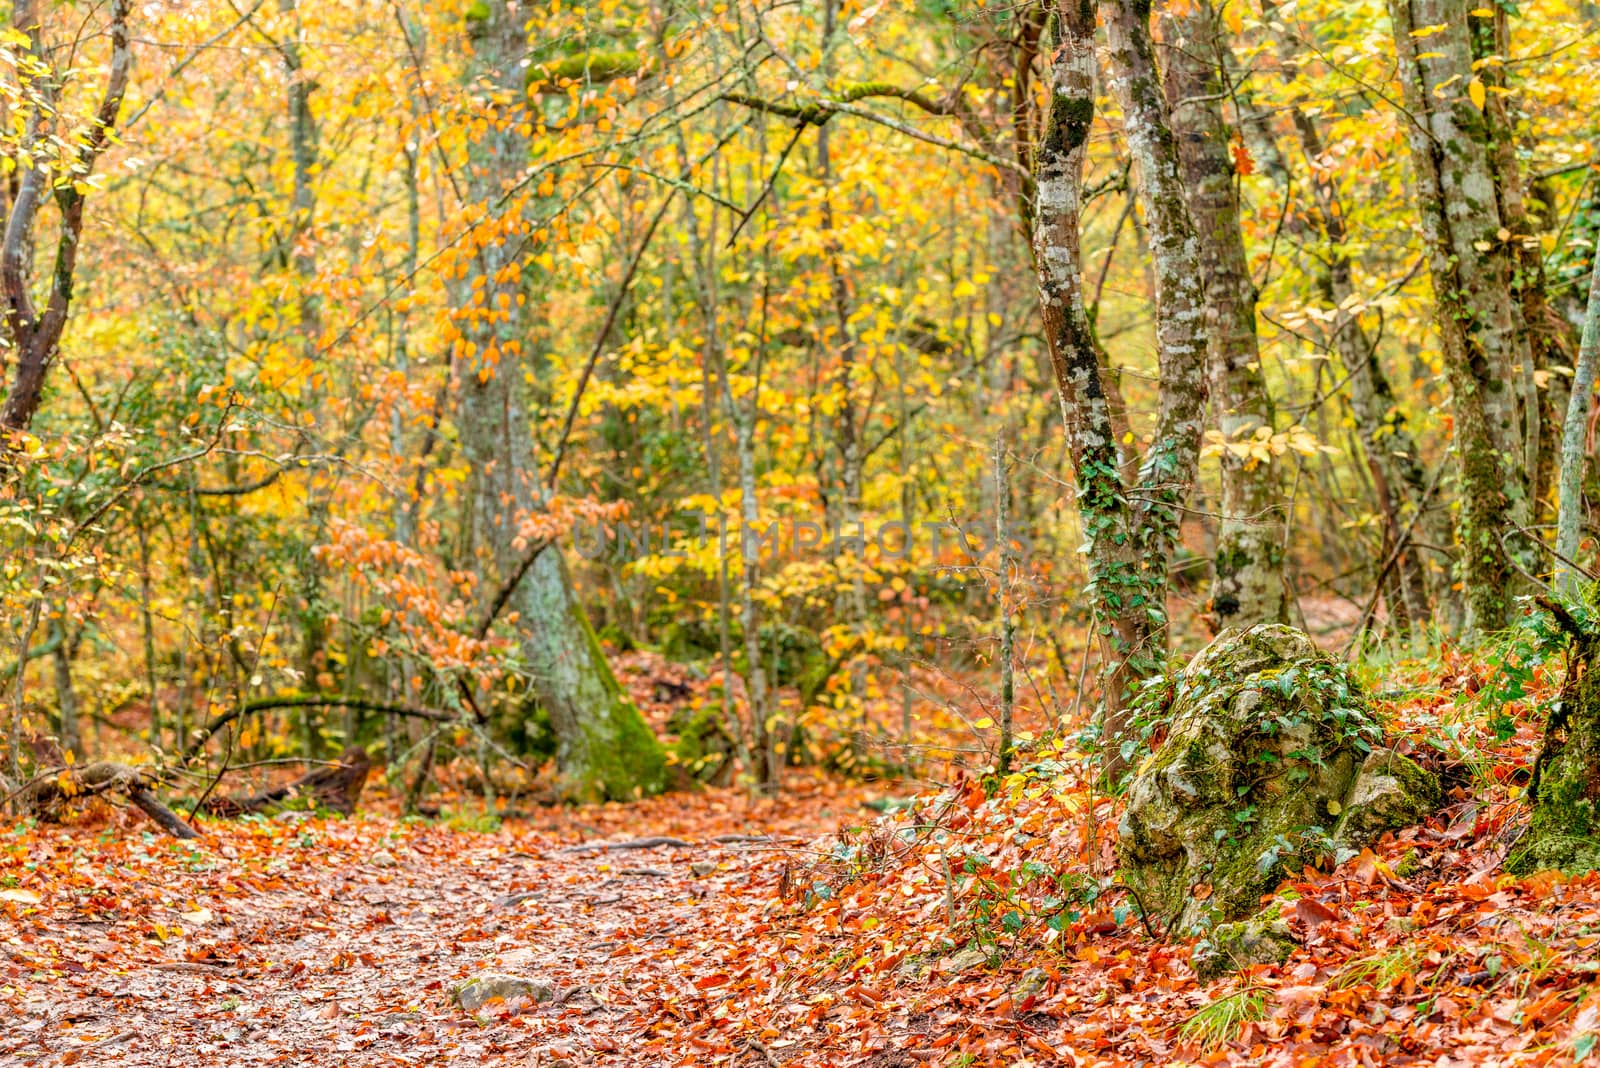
[1569, 518]
[1472, 262]
[604, 747]
[1248, 585]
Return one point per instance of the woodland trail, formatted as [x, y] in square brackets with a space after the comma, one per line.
[306, 941]
[849, 940]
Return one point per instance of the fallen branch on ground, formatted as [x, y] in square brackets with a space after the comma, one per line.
[656, 842]
[337, 786]
[55, 787]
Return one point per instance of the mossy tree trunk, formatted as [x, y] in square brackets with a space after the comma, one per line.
[1248, 582]
[1130, 529]
[1565, 829]
[1473, 260]
[604, 748]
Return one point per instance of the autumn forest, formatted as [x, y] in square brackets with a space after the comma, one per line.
[799, 532]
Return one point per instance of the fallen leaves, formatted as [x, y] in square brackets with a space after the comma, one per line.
[707, 929]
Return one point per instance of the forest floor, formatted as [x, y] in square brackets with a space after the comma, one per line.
[803, 930]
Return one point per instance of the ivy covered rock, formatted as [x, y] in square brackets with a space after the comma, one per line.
[1271, 760]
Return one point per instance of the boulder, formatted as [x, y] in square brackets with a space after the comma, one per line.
[1264, 939]
[478, 991]
[1390, 791]
[1272, 759]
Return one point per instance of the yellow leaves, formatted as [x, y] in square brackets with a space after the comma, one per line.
[20, 897]
[1262, 445]
[1476, 93]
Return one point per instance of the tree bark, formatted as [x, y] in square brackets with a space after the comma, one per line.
[1168, 471]
[1472, 262]
[1129, 531]
[1569, 516]
[1248, 584]
[1392, 454]
[604, 747]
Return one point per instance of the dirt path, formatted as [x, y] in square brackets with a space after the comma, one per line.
[292, 941]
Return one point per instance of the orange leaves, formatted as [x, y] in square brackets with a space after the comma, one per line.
[1243, 164]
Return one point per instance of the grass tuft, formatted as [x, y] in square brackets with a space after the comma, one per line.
[1221, 1021]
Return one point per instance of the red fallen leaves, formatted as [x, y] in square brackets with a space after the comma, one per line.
[281, 943]
[1311, 913]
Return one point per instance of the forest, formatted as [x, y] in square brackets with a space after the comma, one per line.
[767, 533]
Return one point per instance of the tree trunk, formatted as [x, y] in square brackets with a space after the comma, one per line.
[1129, 543]
[1248, 587]
[300, 255]
[1168, 471]
[1472, 262]
[1392, 454]
[1569, 518]
[66, 693]
[604, 747]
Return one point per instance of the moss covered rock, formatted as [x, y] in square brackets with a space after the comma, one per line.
[1390, 791]
[1264, 939]
[1260, 768]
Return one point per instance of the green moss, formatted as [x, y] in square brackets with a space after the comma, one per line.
[1068, 125]
[1264, 939]
[595, 68]
[1564, 831]
[1408, 864]
[620, 758]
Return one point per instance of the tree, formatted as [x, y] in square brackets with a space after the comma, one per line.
[1569, 518]
[1130, 530]
[604, 747]
[1248, 585]
[55, 161]
[1472, 257]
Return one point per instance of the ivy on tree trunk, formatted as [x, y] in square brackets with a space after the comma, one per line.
[1130, 531]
